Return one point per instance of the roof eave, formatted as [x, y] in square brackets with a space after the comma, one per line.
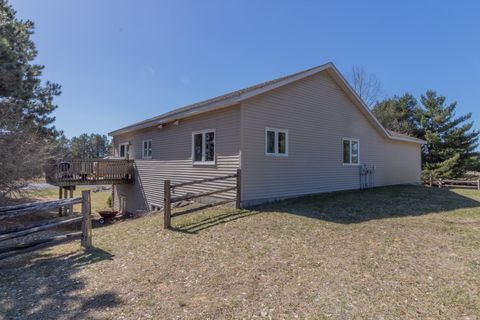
[406, 139]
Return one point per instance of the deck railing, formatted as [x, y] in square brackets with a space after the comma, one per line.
[89, 171]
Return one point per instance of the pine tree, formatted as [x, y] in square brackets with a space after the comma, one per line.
[27, 134]
[451, 142]
[398, 114]
[90, 146]
[23, 97]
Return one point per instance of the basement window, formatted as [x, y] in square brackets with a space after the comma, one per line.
[203, 147]
[276, 142]
[147, 149]
[155, 207]
[351, 151]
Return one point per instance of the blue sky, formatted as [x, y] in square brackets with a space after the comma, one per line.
[123, 61]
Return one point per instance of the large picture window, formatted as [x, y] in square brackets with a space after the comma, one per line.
[351, 151]
[276, 142]
[203, 147]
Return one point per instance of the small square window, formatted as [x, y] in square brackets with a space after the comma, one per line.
[276, 142]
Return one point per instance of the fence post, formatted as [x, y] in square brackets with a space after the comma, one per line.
[239, 189]
[430, 179]
[478, 184]
[166, 205]
[86, 221]
[440, 182]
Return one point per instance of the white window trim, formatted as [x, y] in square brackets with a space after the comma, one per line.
[126, 144]
[350, 146]
[276, 154]
[143, 149]
[203, 162]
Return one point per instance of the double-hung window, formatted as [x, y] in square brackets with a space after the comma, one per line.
[147, 149]
[351, 151]
[203, 147]
[276, 142]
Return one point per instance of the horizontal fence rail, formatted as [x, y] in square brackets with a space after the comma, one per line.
[168, 188]
[35, 207]
[29, 208]
[89, 171]
[451, 183]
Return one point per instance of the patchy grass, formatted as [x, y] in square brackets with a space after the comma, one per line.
[397, 252]
[99, 199]
[98, 202]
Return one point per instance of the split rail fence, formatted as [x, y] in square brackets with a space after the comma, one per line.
[31, 208]
[452, 183]
[168, 200]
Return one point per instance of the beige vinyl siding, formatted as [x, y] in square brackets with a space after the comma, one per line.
[317, 115]
[404, 163]
[172, 158]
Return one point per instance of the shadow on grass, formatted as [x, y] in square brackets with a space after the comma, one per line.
[347, 207]
[197, 226]
[378, 203]
[45, 286]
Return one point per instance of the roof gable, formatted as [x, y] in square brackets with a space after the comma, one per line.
[238, 96]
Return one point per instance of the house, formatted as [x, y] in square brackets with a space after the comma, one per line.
[301, 134]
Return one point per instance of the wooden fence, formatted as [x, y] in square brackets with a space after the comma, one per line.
[29, 208]
[452, 183]
[168, 199]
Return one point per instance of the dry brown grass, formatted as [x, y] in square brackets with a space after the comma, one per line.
[398, 252]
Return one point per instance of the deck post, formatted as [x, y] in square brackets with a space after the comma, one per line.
[166, 205]
[86, 221]
[65, 196]
[70, 209]
[238, 201]
[113, 197]
[60, 209]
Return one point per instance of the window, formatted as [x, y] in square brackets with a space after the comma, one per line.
[203, 147]
[147, 149]
[351, 151]
[155, 207]
[276, 142]
[124, 150]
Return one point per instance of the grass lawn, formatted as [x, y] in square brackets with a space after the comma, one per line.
[385, 253]
[99, 199]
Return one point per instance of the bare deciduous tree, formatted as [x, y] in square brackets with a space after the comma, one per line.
[23, 153]
[367, 86]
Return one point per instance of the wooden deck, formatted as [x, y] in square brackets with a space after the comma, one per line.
[66, 173]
